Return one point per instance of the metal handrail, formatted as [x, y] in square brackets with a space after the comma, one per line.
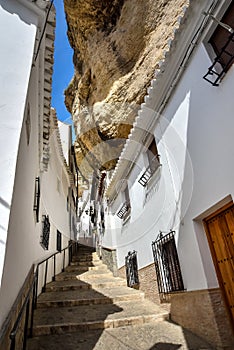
[34, 289]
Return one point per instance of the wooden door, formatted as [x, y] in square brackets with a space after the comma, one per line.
[220, 233]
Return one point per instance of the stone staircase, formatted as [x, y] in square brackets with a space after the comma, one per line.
[85, 304]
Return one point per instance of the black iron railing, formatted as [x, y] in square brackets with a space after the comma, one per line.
[45, 236]
[150, 170]
[132, 269]
[37, 195]
[167, 264]
[218, 69]
[26, 313]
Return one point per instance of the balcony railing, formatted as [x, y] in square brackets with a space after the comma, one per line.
[150, 170]
[218, 69]
[124, 211]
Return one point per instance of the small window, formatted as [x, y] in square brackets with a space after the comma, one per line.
[153, 163]
[152, 154]
[37, 194]
[222, 43]
[167, 264]
[125, 210]
[45, 232]
[59, 241]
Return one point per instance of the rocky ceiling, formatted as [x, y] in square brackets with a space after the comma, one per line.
[117, 47]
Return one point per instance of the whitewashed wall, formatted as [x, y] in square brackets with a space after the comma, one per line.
[55, 184]
[15, 66]
[65, 135]
[15, 69]
[19, 159]
[194, 137]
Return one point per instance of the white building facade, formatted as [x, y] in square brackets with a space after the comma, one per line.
[173, 184]
[37, 181]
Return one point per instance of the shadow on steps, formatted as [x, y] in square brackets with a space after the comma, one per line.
[91, 309]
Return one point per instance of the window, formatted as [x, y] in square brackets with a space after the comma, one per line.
[59, 241]
[222, 43]
[125, 210]
[132, 270]
[45, 232]
[37, 194]
[153, 163]
[167, 264]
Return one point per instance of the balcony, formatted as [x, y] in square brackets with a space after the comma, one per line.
[124, 211]
[221, 63]
[150, 170]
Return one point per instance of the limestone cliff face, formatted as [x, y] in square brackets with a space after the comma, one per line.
[117, 47]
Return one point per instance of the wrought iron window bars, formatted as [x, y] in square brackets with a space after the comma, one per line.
[214, 71]
[37, 195]
[125, 210]
[150, 170]
[45, 232]
[167, 265]
[59, 241]
[132, 269]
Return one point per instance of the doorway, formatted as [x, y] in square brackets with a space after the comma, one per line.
[220, 233]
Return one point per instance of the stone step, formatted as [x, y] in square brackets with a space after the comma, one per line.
[64, 285]
[88, 297]
[78, 269]
[83, 318]
[87, 263]
[85, 257]
[86, 253]
[83, 276]
[162, 335]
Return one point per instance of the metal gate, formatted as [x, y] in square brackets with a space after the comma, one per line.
[167, 264]
[132, 269]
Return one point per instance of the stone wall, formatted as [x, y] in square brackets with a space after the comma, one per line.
[122, 272]
[148, 284]
[12, 316]
[109, 258]
[203, 312]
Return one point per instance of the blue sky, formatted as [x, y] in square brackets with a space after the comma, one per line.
[63, 65]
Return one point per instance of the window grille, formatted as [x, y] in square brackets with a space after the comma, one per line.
[102, 216]
[45, 232]
[37, 194]
[150, 170]
[167, 264]
[59, 241]
[132, 269]
[125, 210]
[222, 42]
